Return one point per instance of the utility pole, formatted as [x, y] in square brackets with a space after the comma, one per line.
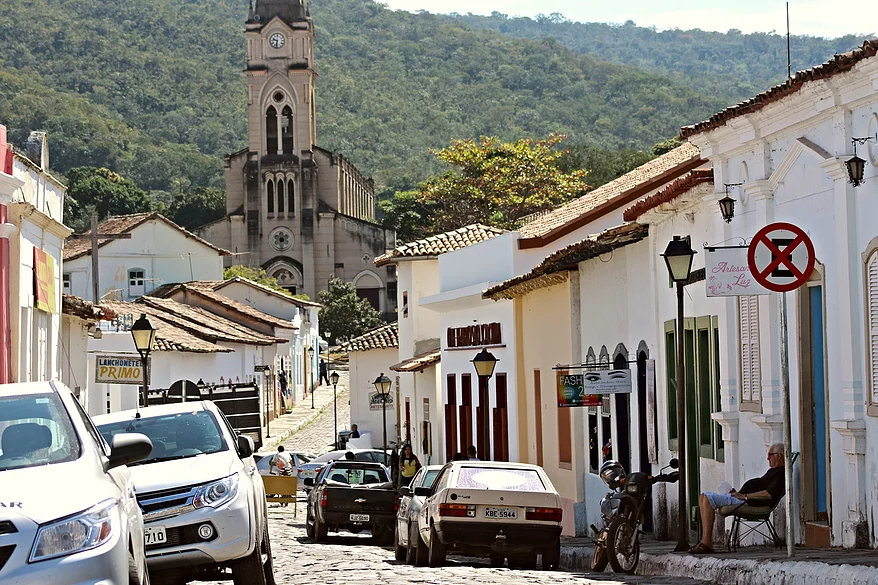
[94, 236]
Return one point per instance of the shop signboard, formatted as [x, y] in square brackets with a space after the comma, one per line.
[585, 389]
[118, 369]
[377, 403]
[727, 273]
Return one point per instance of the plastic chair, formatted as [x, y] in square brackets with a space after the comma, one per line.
[757, 516]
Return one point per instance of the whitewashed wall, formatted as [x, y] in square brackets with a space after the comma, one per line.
[365, 367]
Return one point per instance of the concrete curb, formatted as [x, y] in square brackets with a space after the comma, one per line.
[732, 571]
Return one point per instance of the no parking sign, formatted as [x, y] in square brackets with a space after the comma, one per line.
[781, 257]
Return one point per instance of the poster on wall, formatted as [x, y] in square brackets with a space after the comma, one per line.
[587, 388]
[376, 402]
[651, 439]
[727, 273]
[118, 369]
[44, 281]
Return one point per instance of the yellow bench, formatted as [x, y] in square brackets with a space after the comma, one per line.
[281, 488]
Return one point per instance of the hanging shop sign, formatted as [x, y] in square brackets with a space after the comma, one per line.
[118, 369]
[474, 335]
[44, 281]
[377, 403]
[586, 389]
[727, 273]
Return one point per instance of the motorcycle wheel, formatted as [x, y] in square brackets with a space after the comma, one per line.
[599, 558]
[624, 555]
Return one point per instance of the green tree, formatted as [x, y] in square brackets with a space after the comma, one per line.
[257, 275]
[345, 315]
[406, 214]
[498, 183]
[198, 206]
[100, 190]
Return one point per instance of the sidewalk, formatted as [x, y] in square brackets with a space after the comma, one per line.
[301, 415]
[752, 565]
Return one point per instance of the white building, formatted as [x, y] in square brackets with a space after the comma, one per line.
[158, 252]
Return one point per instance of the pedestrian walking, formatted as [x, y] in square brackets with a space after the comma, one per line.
[408, 465]
[324, 373]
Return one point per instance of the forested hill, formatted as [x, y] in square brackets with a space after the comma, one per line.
[153, 88]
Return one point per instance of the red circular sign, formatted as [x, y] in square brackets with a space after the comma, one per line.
[781, 257]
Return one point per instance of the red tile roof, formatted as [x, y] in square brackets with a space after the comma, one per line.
[616, 193]
[838, 64]
[440, 244]
[123, 224]
[419, 363]
[169, 337]
[669, 193]
[384, 337]
[230, 304]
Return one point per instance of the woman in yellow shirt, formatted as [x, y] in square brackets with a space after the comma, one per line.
[408, 465]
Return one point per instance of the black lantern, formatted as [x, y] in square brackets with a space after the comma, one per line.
[333, 378]
[484, 363]
[143, 332]
[678, 257]
[856, 167]
[727, 208]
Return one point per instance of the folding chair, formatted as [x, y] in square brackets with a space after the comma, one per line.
[756, 511]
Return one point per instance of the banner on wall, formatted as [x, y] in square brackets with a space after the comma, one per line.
[44, 281]
[377, 403]
[586, 389]
[727, 273]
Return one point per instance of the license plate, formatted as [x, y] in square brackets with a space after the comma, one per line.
[154, 535]
[359, 517]
[506, 513]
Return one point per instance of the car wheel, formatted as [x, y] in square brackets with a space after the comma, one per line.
[497, 562]
[137, 575]
[411, 550]
[267, 560]
[320, 530]
[436, 552]
[309, 526]
[399, 551]
[249, 570]
[552, 557]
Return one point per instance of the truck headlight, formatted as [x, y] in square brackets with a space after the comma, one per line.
[217, 493]
[84, 531]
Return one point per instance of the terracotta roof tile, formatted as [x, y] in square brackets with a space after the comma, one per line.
[220, 284]
[233, 305]
[384, 337]
[440, 244]
[122, 224]
[419, 363]
[168, 336]
[78, 307]
[663, 168]
[546, 273]
[838, 64]
[669, 193]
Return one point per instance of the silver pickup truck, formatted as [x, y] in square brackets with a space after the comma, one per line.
[203, 501]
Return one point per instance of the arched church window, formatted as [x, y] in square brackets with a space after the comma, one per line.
[271, 130]
[291, 197]
[287, 126]
[269, 190]
[280, 196]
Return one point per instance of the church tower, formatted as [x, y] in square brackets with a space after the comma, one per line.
[303, 213]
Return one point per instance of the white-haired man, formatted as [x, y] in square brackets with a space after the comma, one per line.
[770, 487]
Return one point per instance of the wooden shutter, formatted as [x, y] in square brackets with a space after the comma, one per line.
[872, 295]
[751, 373]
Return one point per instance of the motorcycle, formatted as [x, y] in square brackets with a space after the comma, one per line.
[618, 542]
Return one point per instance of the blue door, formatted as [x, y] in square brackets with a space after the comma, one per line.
[821, 443]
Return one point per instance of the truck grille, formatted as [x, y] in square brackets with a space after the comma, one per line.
[5, 553]
[166, 503]
[182, 535]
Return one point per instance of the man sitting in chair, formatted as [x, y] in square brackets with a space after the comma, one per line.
[770, 486]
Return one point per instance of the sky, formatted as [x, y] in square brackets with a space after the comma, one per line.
[819, 18]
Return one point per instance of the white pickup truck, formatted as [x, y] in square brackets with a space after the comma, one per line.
[203, 500]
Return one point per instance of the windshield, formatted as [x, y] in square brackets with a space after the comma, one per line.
[35, 429]
[173, 436]
[482, 478]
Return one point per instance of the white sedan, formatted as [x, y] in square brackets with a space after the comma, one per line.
[490, 508]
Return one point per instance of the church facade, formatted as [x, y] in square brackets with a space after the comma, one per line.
[301, 212]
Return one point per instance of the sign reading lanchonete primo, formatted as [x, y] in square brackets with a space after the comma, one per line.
[118, 369]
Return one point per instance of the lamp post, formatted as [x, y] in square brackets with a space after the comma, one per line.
[266, 371]
[143, 332]
[678, 257]
[333, 379]
[485, 362]
[311, 373]
[382, 385]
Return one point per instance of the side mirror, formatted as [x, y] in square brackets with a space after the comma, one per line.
[674, 463]
[245, 446]
[308, 481]
[423, 491]
[128, 448]
[405, 491]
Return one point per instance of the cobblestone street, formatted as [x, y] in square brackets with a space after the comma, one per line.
[317, 437]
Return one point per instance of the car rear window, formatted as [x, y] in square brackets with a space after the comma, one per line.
[491, 478]
[357, 475]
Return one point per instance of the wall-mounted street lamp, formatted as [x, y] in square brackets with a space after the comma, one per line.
[143, 332]
[727, 203]
[678, 257]
[382, 385]
[856, 166]
[484, 363]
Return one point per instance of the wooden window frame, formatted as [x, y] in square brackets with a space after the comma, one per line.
[870, 326]
[750, 372]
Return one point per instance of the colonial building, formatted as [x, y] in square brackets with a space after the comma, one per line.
[301, 212]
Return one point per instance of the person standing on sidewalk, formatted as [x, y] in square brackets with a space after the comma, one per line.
[324, 373]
